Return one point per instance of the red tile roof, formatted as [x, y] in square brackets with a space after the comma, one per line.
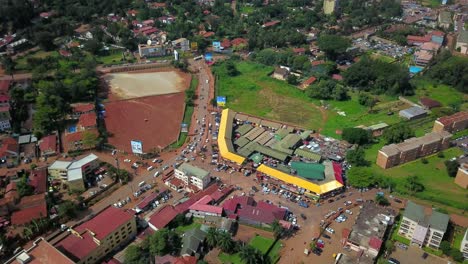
[83, 108]
[418, 39]
[186, 260]
[309, 81]
[298, 50]
[437, 33]
[238, 41]
[106, 222]
[231, 204]
[429, 103]
[318, 62]
[4, 98]
[43, 252]
[65, 53]
[208, 34]
[337, 77]
[77, 136]
[132, 12]
[375, 243]
[4, 86]
[271, 23]
[203, 205]
[163, 217]
[38, 180]
[28, 214]
[77, 248]
[10, 187]
[157, 5]
[457, 117]
[87, 120]
[218, 195]
[48, 143]
[226, 43]
[262, 213]
[184, 207]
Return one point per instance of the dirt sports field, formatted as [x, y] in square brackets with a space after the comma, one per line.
[146, 83]
[145, 105]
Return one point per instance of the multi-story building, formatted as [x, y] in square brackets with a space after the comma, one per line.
[462, 42]
[367, 234]
[464, 245]
[40, 251]
[423, 229]
[193, 175]
[461, 179]
[452, 123]
[92, 240]
[413, 148]
[4, 112]
[152, 50]
[74, 172]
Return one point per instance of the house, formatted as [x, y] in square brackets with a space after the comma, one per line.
[429, 103]
[204, 207]
[444, 19]
[74, 172]
[30, 208]
[368, 232]
[132, 13]
[74, 141]
[412, 149]
[40, 251]
[169, 259]
[281, 73]
[431, 47]
[452, 123]
[193, 175]
[461, 179]
[462, 42]
[377, 129]
[337, 77]
[5, 87]
[152, 50]
[48, 145]
[249, 212]
[307, 82]
[9, 148]
[65, 53]
[239, 43]
[464, 245]
[87, 121]
[412, 113]
[422, 57]
[299, 51]
[162, 218]
[38, 180]
[423, 229]
[208, 34]
[223, 224]
[83, 31]
[192, 242]
[5, 112]
[93, 239]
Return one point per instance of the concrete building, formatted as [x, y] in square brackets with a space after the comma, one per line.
[181, 43]
[452, 123]
[192, 242]
[281, 73]
[152, 50]
[462, 176]
[204, 207]
[367, 234]
[330, 6]
[462, 42]
[412, 113]
[444, 19]
[464, 245]
[191, 175]
[41, 251]
[423, 229]
[92, 240]
[413, 148]
[74, 172]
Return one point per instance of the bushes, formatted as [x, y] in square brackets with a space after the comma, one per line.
[357, 136]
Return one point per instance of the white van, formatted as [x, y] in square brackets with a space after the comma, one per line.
[150, 168]
[156, 174]
[141, 184]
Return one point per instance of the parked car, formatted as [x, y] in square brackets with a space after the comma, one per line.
[330, 230]
[326, 236]
[393, 261]
[303, 216]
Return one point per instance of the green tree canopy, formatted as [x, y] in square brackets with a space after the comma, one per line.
[413, 184]
[327, 89]
[361, 177]
[356, 135]
[333, 45]
[397, 133]
[164, 242]
[452, 167]
[356, 157]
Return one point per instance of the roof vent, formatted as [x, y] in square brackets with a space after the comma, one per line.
[23, 258]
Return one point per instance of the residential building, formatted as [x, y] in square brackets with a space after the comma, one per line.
[74, 172]
[330, 6]
[281, 73]
[84, 31]
[429, 103]
[204, 207]
[462, 176]
[87, 121]
[9, 148]
[452, 123]
[462, 42]
[181, 43]
[191, 175]
[192, 242]
[367, 233]
[30, 208]
[423, 229]
[412, 113]
[162, 218]
[464, 245]
[422, 57]
[413, 148]
[92, 240]
[5, 117]
[254, 213]
[307, 82]
[152, 50]
[444, 19]
[40, 252]
[48, 145]
[377, 129]
[38, 180]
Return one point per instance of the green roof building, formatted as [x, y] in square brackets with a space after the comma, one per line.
[309, 171]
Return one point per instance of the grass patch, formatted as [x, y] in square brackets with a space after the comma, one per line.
[460, 134]
[274, 253]
[445, 94]
[246, 9]
[182, 229]
[382, 57]
[233, 259]
[22, 62]
[439, 187]
[459, 233]
[432, 251]
[261, 243]
[113, 58]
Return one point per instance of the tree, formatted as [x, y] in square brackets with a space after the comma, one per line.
[413, 184]
[45, 40]
[67, 209]
[135, 255]
[452, 167]
[277, 229]
[212, 237]
[333, 45]
[389, 246]
[356, 157]
[225, 242]
[445, 247]
[93, 46]
[361, 177]
[381, 200]
[397, 133]
[292, 79]
[164, 242]
[8, 65]
[367, 100]
[327, 89]
[90, 140]
[356, 135]
[456, 255]
[24, 189]
[248, 254]
[231, 69]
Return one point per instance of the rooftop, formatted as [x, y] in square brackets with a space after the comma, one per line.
[87, 120]
[463, 36]
[83, 161]
[263, 212]
[163, 217]
[191, 241]
[416, 213]
[60, 165]
[429, 103]
[38, 180]
[412, 112]
[48, 143]
[457, 117]
[83, 108]
[27, 214]
[203, 205]
[43, 252]
[193, 171]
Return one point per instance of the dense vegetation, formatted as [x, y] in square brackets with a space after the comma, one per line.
[450, 70]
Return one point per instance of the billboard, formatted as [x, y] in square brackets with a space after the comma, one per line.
[221, 100]
[208, 57]
[194, 46]
[216, 46]
[137, 146]
[184, 128]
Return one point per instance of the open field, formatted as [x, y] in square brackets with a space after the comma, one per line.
[134, 85]
[154, 120]
[440, 189]
[22, 62]
[445, 94]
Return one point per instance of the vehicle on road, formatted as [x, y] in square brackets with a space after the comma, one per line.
[330, 230]
[393, 261]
